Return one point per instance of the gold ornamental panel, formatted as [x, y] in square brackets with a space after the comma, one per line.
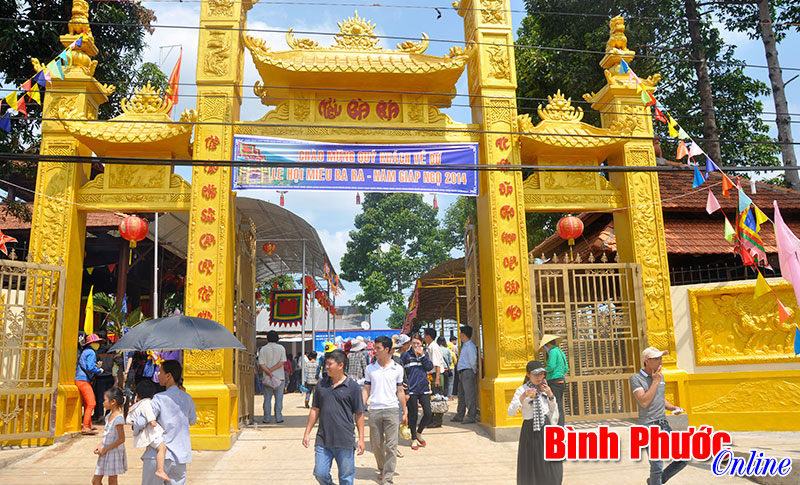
[730, 327]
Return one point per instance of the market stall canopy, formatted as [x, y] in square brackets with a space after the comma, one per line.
[274, 224]
[440, 290]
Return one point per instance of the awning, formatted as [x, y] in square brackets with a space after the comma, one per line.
[442, 292]
[286, 229]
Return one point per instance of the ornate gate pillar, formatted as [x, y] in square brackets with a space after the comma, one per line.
[210, 262]
[508, 341]
[640, 227]
[58, 229]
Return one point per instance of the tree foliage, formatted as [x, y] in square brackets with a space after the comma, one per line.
[658, 33]
[35, 33]
[396, 240]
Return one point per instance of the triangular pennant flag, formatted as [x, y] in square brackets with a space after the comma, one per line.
[712, 204]
[682, 134]
[5, 122]
[21, 106]
[671, 124]
[12, 99]
[796, 341]
[645, 97]
[65, 57]
[744, 201]
[783, 312]
[660, 116]
[39, 78]
[47, 78]
[683, 151]
[111, 267]
[729, 232]
[698, 178]
[727, 184]
[623, 67]
[88, 321]
[79, 41]
[34, 94]
[710, 166]
[762, 288]
[760, 218]
[747, 258]
[26, 86]
[55, 68]
[694, 150]
[652, 101]
[90, 270]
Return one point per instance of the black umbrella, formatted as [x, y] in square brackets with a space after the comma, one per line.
[179, 332]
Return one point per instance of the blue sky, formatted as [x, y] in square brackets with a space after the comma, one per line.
[332, 213]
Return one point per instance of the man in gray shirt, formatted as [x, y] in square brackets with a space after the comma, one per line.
[648, 389]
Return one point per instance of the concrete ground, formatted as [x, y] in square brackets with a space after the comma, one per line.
[273, 454]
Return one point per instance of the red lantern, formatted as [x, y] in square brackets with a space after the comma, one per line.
[269, 247]
[569, 228]
[133, 229]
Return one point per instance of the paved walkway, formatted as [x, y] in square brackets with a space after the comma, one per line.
[273, 454]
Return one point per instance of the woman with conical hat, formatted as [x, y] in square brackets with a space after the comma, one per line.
[557, 369]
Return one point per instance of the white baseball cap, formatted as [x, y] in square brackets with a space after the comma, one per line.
[653, 353]
[403, 339]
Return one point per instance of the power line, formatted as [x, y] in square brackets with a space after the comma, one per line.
[422, 129]
[392, 37]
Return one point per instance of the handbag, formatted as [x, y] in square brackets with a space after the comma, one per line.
[439, 406]
[271, 381]
[149, 369]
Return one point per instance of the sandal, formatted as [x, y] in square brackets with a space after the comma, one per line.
[421, 442]
[88, 431]
[414, 445]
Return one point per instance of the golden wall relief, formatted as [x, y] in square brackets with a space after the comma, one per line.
[220, 8]
[492, 12]
[729, 396]
[217, 60]
[730, 327]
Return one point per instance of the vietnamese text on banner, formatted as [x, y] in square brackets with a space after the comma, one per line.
[274, 152]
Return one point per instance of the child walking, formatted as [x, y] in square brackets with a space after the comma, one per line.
[112, 460]
[153, 434]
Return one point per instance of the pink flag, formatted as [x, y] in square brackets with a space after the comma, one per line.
[694, 150]
[788, 252]
[712, 205]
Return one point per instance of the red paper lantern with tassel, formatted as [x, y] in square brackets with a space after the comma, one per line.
[133, 229]
[269, 247]
[569, 228]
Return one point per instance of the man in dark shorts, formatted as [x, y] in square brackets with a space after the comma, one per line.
[337, 401]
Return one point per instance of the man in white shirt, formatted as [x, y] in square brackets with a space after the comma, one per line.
[435, 353]
[270, 359]
[383, 393]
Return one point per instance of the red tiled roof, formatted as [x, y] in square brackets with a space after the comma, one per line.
[93, 219]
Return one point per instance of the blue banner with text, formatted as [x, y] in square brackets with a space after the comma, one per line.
[267, 157]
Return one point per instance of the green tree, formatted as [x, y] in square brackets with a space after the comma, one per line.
[455, 219]
[396, 240]
[35, 33]
[657, 31]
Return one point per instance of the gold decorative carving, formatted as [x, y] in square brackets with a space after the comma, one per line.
[514, 353]
[280, 113]
[302, 108]
[560, 109]
[79, 22]
[218, 8]
[203, 362]
[215, 106]
[498, 62]
[730, 327]
[414, 47]
[137, 176]
[206, 417]
[492, 12]
[298, 43]
[772, 395]
[146, 100]
[501, 110]
[356, 33]
[218, 46]
[617, 41]
[436, 116]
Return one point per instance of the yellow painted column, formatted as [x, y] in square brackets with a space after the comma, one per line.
[210, 263]
[58, 228]
[502, 241]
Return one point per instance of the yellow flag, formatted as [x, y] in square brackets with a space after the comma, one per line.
[673, 133]
[11, 99]
[760, 219]
[34, 94]
[88, 322]
[762, 288]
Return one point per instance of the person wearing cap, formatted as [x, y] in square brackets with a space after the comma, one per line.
[539, 409]
[357, 360]
[557, 368]
[648, 388]
[85, 371]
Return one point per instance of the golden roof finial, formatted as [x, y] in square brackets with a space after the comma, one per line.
[356, 33]
[560, 109]
[146, 100]
[79, 22]
[617, 41]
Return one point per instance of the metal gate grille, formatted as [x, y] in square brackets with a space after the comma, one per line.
[596, 308]
[30, 337]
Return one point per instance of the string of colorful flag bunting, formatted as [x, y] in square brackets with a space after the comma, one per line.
[746, 233]
[32, 88]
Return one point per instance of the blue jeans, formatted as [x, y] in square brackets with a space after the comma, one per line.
[278, 393]
[345, 461]
[658, 474]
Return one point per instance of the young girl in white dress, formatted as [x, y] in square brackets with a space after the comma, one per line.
[153, 434]
[111, 459]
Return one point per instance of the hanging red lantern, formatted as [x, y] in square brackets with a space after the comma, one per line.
[269, 247]
[569, 228]
[133, 229]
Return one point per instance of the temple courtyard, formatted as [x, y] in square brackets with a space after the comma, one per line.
[455, 454]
